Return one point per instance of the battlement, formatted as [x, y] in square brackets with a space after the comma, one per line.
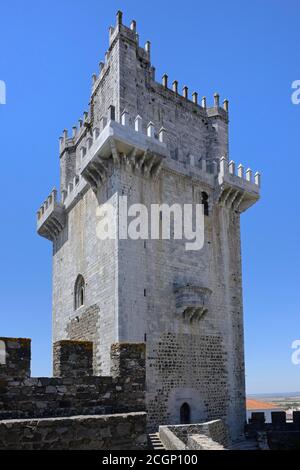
[69, 143]
[237, 190]
[50, 217]
[72, 358]
[73, 390]
[137, 145]
[228, 173]
[98, 142]
[111, 144]
[280, 434]
[154, 143]
[15, 355]
[143, 54]
[192, 101]
[120, 144]
[74, 192]
[278, 421]
[131, 35]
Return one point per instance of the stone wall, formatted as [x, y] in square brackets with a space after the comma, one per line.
[191, 368]
[75, 393]
[202, 442]
[72, 359]
[109, 432]
[277, 435]
[85, 326]
[170, 440]
[79, 251]
[131, 284]
[212, 435]
[17, 355]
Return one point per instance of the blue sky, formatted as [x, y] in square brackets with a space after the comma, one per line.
[248, 52]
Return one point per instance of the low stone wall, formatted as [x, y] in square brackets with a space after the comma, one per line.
[170, 440]
[47, 397]
[216, 430]
[109, 432]
[201, 442]
[207, 435]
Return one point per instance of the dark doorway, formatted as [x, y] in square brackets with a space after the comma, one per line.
[185, 414]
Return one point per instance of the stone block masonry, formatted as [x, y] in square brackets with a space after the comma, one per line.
[212, 435]
[75, 391]
[16, 353]
[85, 327]
[153, 144]
[72, 359]
[202, 442]
[277, 435]
[109, 432]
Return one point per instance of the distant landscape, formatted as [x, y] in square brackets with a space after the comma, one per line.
[285, 400]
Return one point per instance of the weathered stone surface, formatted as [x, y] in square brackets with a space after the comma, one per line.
[163, 149]
[72, 358]
[212, 435]
[124, 391]
[109, 432]
[17, 356]
[277, 435]
[202, 442]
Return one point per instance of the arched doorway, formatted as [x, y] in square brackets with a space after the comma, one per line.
[185, 413]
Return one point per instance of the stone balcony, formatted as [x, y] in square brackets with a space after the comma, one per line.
[119, 144]
[237, 190]
[51, 217]
[192, 302]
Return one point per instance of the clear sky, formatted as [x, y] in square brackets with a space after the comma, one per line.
[249, 52]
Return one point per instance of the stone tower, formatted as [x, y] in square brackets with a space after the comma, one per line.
[156, 145]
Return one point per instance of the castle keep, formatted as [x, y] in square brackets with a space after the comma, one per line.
[156, 145]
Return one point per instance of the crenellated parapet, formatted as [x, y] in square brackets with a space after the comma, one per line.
[74, 389]
[51, 217]
[74, 191]
[15, 357]
[215, 110]
[279, 434]
[72, 358]
[123, 145]
[237, 189]
[68, 143]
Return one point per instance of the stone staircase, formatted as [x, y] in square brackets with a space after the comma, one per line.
[155, 442]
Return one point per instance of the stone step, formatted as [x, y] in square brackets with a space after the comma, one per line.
[155, 442]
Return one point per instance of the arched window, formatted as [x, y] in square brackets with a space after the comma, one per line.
[2, 353]
[79, 292]
[185, 413]
[204, 201]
